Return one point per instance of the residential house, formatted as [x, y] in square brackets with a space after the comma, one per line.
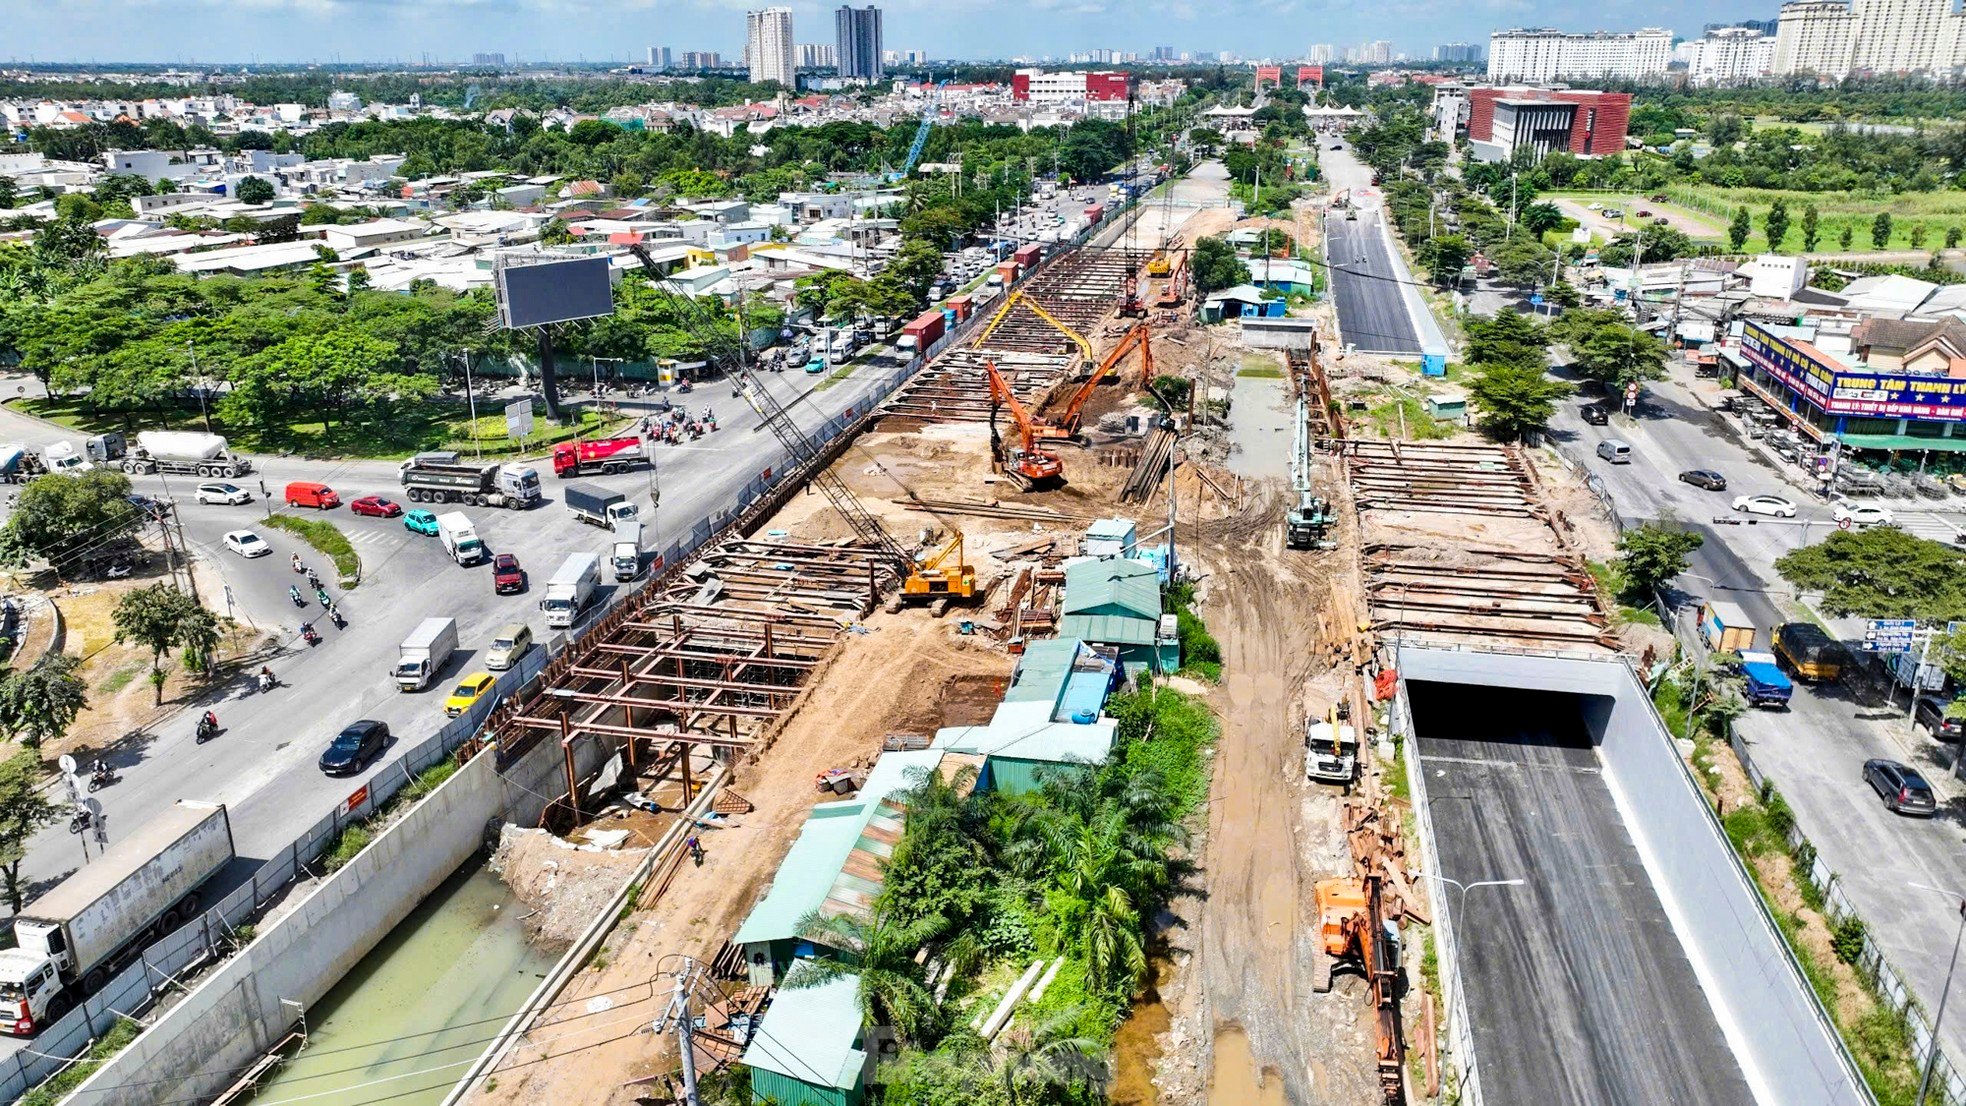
[810, 1047]
[1051, 720]
[1117, 603]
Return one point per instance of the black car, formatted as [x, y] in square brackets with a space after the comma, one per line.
[353, 748]
[1901, 787]
[1597, 414]
[1931, 714]
[151, 507]
[1705, 478]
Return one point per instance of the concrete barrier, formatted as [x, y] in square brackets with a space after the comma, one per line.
[241, 1010]
[1789, 1050]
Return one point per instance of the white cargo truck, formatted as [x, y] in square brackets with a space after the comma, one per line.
[460, 540]
[424, 653]
[75, 938]
[65, 457]
[625, 556]
[184, 451]
[571, 590]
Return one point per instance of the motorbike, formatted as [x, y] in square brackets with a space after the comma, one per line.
[100, 776]
[266, 680]
[207, 729]
[334, 616]
[79, 820]
[313, 579]
[293, 593]
[685, 387]
[321, 595]
[309, 634]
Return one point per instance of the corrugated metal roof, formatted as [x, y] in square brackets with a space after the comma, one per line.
[1116, 587]
[864, 871]
[806, 875]
[809, 1034]
[1109, 629]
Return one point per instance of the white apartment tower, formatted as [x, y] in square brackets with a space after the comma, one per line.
[1541, 54]
[768, 47]
[1728, 56]
[1833, 39]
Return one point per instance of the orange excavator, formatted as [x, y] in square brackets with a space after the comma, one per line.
[1352, 929]
[1026, 464]
[1175, 289]
[1066, 427]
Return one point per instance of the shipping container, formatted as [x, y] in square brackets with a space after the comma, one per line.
[960, 305]
[1028, 256]
[925, 328]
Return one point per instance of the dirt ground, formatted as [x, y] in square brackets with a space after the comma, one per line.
[892, 679]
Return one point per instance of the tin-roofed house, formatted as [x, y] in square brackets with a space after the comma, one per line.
[1051, 720]
[810, 1048]
[1117, 603]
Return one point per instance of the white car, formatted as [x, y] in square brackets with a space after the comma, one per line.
[223, 493]
[1860, 514]
[247, 544]
[1773, 505]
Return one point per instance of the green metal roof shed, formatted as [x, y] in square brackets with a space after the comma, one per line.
[1119, 587]
[807, 1051]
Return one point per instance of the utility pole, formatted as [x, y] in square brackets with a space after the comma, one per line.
[1638, 258]
[677, 1018]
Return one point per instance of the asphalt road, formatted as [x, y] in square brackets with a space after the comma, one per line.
[1365, 279]
[262, 764]
[1578, 990]
[1814, 752]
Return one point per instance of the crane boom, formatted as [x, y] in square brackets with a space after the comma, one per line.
[1010, 302]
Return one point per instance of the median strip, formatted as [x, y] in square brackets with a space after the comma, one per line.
[326, 537]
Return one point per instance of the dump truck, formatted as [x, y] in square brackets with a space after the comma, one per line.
[601, 455]
[1808, 651]
[424, 653]
[625, 555]
[597, 506]
[570, 590]
[184, 451]
[446, 478]
[75, 938]
[460, 539]
[1763, 683]
[1726, 628]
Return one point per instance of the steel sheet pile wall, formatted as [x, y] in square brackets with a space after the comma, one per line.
[1787, 1047]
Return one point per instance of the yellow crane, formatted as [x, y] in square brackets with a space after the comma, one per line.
[1011, 301]
[944, 577]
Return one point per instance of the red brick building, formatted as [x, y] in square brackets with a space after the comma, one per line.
[1585, 122]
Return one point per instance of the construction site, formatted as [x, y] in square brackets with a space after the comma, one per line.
[956, 590]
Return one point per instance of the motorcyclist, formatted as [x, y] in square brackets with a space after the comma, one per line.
[99, 774]
[293, 593]
[313, 579]
[334, 615]
[295, 561]
[307, 632]
[265, 678]
[208, 725]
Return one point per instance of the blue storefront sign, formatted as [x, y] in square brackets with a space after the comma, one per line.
[1839, 391]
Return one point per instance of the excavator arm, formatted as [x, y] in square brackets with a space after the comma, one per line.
[1137, 337]
[1010, 303]
[1027, 464]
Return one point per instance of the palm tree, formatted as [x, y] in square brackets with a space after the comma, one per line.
[879, 949]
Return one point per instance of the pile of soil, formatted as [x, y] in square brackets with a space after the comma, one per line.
[563, 885]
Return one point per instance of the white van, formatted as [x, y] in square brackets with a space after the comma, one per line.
[1615, 451]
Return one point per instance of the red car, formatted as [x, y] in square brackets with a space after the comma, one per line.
[376, 507]
[507, 577]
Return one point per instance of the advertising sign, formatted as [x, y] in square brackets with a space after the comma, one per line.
[1841, 391]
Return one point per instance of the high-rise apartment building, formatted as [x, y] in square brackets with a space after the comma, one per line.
[1457, 52]
[817, 55]
[1833, 39]
[658, 57]
[1543, 54]
[1728, 56]
[1322, 54]
[488, 59]
[768, 46]
[857, 32]
[701, 59]
[1377, 53]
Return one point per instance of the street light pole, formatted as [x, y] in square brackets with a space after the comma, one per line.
[471, 401]
[1938, 1019]
[196, 382]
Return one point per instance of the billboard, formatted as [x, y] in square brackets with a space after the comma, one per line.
[1839, 391]
[553, 292]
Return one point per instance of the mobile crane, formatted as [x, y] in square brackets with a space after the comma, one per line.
[1025, 464]
[945, 576]
[1068, 425]
[1305, 525]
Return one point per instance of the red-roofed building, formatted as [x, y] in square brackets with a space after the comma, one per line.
[1584, 122]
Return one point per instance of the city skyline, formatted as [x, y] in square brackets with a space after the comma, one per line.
[453, 31]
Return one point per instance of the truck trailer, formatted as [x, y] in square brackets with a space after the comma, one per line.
[1726, 627]
[424, 653]
[606, 455]
[75, 938]
[184, 451]
[432, 478]
[597, 506]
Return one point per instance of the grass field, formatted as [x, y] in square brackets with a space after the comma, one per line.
[1935, 211]
[409, 428]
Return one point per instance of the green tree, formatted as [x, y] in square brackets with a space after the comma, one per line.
[1843, 239]
[1524, 262]
[1540, 218]
[255, 190]
[1215, 266]
[1619, 356]
[1507, 338]
[1444, 256]
[39, 704]
[1880, 230]
[9, 192]
[160, 618]
[1917, 236]
[880, 950]
[1739, 229]
[24, 808]
[68, 243]
[1953, 234]
[1650, 555]
[1776, 224]
[1882, 572]
[1811, 228]
[1514, 400]
[57, 518]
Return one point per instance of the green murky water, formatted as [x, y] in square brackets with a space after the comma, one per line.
[409, 1020]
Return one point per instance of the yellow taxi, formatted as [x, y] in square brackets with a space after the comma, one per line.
[468, 691]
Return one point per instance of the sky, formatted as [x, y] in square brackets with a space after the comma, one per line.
[265, 31]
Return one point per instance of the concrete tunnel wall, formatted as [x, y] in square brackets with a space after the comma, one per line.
[1788, 1051]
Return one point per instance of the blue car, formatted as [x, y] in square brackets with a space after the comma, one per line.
[420, 522]
[816, 365]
